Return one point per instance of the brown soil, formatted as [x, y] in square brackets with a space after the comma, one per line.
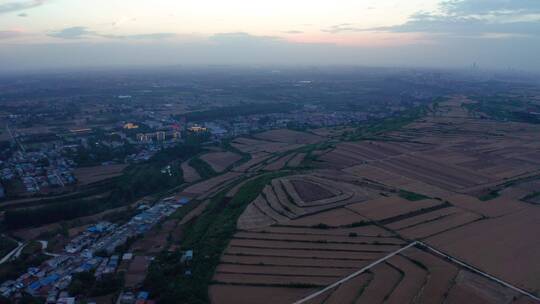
[88, 175]
[190, 175]
[310, 192]
[385, 278]
[219, 161]
[289, 136]
[231, 294]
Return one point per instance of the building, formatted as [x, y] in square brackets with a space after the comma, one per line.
[160, 136]
[130, 126]
[197, 128]
[142, 137]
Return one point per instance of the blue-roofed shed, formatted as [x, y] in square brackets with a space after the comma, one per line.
[183, 200]
[143, 295]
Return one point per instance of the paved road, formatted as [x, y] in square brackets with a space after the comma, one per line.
[15, 252]
[44, 245]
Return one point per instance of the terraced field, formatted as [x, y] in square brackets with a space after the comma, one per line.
[289, 198]
[300, 258]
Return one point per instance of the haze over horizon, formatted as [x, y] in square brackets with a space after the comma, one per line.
[57, 34]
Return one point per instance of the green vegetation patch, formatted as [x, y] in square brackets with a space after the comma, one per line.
[241, 110]
[411, 196]
[13, 269]
[202, 167]
[532, 197]
[489, 196]
[374, 128]
[6, 245]
[85, 283]
[208, 237]
[505, 108]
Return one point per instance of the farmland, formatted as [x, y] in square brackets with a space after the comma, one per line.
[426, 181]
[89, 175]
[219, 161]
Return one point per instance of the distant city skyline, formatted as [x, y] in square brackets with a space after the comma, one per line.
[36, 34]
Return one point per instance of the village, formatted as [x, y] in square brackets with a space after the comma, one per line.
[96, 251]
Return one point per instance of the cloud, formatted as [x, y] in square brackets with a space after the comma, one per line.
[468, 18]
[241, 38]
[10, 34]
[463, 25]
[293, 32]
[151, 36]
[490, 7]
[79, 32]
[247, 49]
[343, 27]
[76, 32]
[23, 15]
[15, 6]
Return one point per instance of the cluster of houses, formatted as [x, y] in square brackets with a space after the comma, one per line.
[50, 278]
[93, 250]
[132, 298]
[309, 116]
[38, 170]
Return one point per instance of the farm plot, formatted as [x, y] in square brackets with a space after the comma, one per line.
[501, 245]
[309, 192]
[299, 237]
[253, 217]
[337, 159]
[493, 208]
[434, 227]
[256, 159]
[440, 279]
[471, 288]
[349, 292]
[307, 245]
[298, 257]
[296, 160]
[417, 276]
[232, 294]
[291, 197]
[393, 179]
[370, 150]
[332, 218]
[209, 186]
[431, 172]
[394, 207]
[385, 279]
[219, 161]
[279, 164]
[249, 145]
[289, 136]
[137, 270]
[367, 230]
[89, 175]
[189, 174]
[414, 278]
[423, 218]
[380, 175]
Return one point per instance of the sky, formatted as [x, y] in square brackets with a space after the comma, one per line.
[58, 34]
